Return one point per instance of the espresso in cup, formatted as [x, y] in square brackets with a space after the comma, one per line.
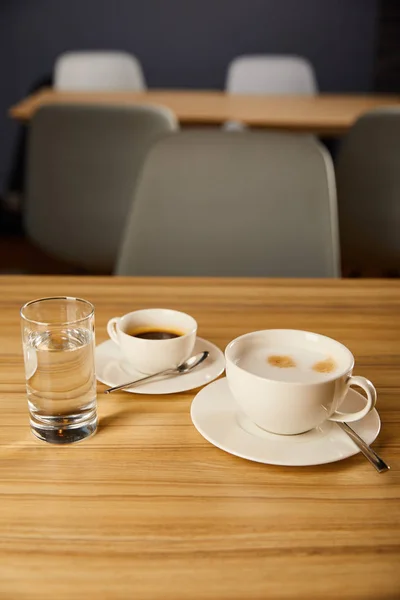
[289, 381]
[154, 339]
[154, 334]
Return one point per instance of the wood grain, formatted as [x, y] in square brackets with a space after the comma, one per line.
[321, 114]
[148, 509]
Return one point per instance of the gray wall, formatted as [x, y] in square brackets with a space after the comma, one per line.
[183, 43]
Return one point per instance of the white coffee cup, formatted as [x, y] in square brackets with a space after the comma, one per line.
[294, 398]
[151, 356]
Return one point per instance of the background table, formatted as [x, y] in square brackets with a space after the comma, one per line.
[322, 114]
[148, 509]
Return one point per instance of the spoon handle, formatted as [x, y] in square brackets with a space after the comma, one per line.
[138, 381]
[369, 454]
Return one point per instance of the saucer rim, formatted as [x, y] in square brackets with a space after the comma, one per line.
[274, 462]
[137, 390]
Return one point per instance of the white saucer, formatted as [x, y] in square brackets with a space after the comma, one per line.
[112, 370]
[216, 416]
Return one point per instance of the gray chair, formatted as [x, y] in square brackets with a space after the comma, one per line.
[251, 204]
[83, 163]
[368, 180]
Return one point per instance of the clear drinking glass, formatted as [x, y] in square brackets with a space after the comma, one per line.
[58, 341]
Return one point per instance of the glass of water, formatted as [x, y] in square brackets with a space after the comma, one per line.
[58, 341]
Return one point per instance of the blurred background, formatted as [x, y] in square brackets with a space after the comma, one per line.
[352, 45]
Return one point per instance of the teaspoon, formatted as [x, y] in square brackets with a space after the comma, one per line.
[369, 454]
[185, 367]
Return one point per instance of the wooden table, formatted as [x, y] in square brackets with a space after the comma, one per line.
[322, 114]
[148, 509]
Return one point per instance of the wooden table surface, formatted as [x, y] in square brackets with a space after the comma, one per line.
[321, 114]
[148, 509]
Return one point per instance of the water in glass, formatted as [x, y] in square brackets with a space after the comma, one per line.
[60, 381]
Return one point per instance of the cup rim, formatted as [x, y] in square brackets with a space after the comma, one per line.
[56, 323]
[333, 377]
[192, 331]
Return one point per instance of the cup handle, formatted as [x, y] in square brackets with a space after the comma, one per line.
[370, 391]
[111, 329]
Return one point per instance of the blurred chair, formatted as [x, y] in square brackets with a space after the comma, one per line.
[368, 179]
[98, 71]
[83, 162]
[269, 74]
[252, 204]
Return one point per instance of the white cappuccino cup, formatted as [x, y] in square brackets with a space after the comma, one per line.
[289, 381]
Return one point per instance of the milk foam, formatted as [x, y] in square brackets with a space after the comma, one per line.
[255, 360]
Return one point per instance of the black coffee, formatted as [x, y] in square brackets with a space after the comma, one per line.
[154, 334]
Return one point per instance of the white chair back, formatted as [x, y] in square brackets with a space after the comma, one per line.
[267, 74]
[98, 70]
